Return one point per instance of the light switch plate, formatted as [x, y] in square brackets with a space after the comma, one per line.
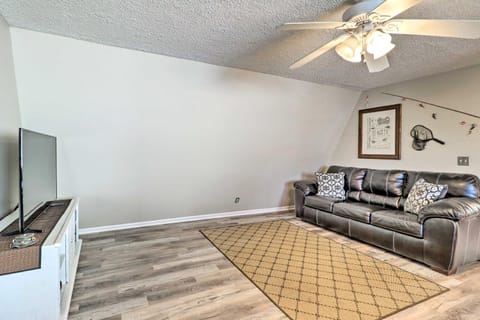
[463, 161]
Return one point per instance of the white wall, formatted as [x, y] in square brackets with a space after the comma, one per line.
[459, 90]
[9, 124]
[144, 136]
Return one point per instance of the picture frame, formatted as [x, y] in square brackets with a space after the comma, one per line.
[379, 132]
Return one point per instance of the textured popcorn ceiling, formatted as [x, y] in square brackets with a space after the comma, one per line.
[242, 34]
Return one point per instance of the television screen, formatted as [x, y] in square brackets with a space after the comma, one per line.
[38, 170]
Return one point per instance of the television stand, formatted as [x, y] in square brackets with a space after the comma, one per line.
[45, 292]
[28, 230]
[31, 219]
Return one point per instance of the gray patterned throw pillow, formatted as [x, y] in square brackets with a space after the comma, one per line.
[422, 194]
[331, 185]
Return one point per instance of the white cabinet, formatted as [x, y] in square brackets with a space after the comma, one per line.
[45, 293]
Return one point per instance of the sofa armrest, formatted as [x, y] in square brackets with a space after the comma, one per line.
[307, 187]
[451, 208]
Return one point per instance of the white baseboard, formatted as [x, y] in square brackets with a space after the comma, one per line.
[132, 225]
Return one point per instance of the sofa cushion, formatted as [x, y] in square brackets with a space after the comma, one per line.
[459, 184]
[398, 221]
[353, 177]
[354, 195]
[385, 182]
[355, 210]
[331, 185]
[321, 203]
[423, 194]
[372, 198]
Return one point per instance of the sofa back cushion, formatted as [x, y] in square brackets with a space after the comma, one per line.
[384, 187]
[391, 187]
[388, 183]
[353, 180]
[372, 198]
[353, 177]
[459, 184]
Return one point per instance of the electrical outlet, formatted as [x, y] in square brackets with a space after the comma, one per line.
[463, 161]
[237, 200]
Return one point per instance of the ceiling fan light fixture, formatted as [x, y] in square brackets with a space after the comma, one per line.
[383, 51]
[367, 25]
[379, 43]
[350, 50]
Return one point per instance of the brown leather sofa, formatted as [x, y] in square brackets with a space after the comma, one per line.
[445, 235]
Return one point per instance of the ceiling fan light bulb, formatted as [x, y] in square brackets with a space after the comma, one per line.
[383, 51]
[378, 38]
[350, 50]
[379, 43]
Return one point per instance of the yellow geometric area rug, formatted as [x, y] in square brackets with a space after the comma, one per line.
[310, 277]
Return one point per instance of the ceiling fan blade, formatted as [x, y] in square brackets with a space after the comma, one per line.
[393, 8]
[467, 29]
[318, 52]
[311, 25]
[376, 65]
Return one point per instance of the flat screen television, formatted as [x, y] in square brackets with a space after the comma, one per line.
[38, 173]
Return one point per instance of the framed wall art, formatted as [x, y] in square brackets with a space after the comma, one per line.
[379, 132]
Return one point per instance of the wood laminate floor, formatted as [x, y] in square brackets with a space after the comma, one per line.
[173, 272]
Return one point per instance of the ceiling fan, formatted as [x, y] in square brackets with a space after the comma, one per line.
[368, 25]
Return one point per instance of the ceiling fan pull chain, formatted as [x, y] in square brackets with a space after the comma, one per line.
[363, 44]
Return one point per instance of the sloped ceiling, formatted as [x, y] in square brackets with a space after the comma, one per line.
[243, 34]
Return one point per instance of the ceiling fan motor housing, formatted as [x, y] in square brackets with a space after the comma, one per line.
[359, 12]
